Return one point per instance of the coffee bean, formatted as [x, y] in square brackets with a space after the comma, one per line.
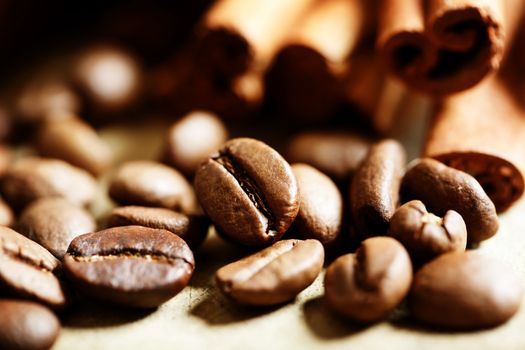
[193, 229]
[368, 285]
[27, 325]
[129, 265]
[249, 192]
[27, 270]
[465, 290]
[374, 193]
[54, 222]
[6, 214]
[32, 178]
[442, 188]
[6, 157]
[426, 235]
[192, 139]
[274, 275]
[75, 142]
[320, 205]
[152, 184]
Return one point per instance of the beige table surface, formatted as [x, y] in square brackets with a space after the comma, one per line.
[201, 318]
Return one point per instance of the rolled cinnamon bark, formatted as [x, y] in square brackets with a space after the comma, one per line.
[442, 46]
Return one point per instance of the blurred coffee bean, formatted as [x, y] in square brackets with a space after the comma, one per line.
[6, 157]
[31, 178]
[6, 123]
[192, 139]
[7, 216]
[75, 142]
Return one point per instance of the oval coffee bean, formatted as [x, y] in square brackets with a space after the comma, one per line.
[75, 142]
[248, 191]
[274, 275]
[442, 188]
[33, 178]
[27, 325]
[27, 270]
[320, 205]
[368, 285]
[465, 290]
[129, 265]
[192, 139]
[374, 193]
[426, 235]
[193, 229]
[54, 222]
[152, 184]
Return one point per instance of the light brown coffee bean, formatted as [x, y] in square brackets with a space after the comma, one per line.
[7, 217]
[274, 275]
[465, 290]
[443, 188]
[32, 178]
[368, 285]
[54, 223]
[426, 235]
[320, 205]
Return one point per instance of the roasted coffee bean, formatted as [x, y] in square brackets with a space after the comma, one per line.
[320, 205]
[27, 270]
[374, 193]
[6, 214]
[442, 188]
[274, 275]
[152, 184]
[26, 325]
[54, 222]
[461, 290]
[129, 265]
[192, 139]
[193, 229]
[337, 154]
[368, 285]
[33, 178]
[6, 158]
[426, 235]
[249, 192]
[75, 142]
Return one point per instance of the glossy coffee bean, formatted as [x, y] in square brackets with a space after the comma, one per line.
[54, 222]
[193, 229]
[27, 270]
[274, 275]
[129, 265]
[426, 235]
[152, 184]
[320, 205]
[26, 325]
[374, 193]
[33, 178]
[76, 142]
[368, 285]
[443, 188]
[248, 191]
[192, 139]
[465, 290]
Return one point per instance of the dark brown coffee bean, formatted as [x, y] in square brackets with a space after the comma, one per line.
[336, 154]
[6, 214]
[152, 184]
[426, 235]
[75, 142]
[192, 139]
[193, 229]
[442, 188]
[26, 325]
[129, 265]
[320, 205]
[54, 222]
[27, 270]
[274, 275]
[465, 290]
[249, 192]
[33, 178]
[368, 285]
[374, 193]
